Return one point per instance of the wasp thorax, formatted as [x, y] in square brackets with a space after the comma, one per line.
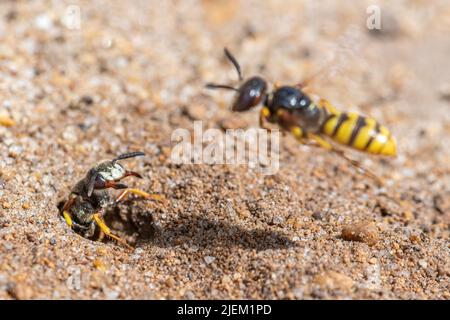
[250, 94]
[290, 98]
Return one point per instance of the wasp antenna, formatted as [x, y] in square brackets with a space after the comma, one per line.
[220, 86]
[129, 155]
[234, 62]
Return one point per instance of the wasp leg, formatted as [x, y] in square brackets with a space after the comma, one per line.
[321, 142]
[68, 218]
[138, 192]
[327, 105]
[326, 145]
[106, 230]
[72, 224]
[68, 204]
[297, 132]
[65, 211]
[264, 114]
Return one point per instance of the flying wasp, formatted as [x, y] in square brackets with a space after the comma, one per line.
[312, 123]
[89, 199]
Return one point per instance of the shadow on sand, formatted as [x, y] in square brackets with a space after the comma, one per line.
[130, 221]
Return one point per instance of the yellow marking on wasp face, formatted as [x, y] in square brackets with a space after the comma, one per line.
[68, 219]
[265, 112]
[297, 132]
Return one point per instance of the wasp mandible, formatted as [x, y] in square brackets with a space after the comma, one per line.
[294, 111]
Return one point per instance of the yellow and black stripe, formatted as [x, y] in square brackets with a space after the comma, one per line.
[361, 133]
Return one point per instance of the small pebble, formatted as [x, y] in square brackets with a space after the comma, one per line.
[111, 294]
[3, 282]
[98, 263]
[6, 121]
[195, 111]
[318, 215]
[333, 280]
[277, 220]
[6, 205]
[20, 291]
[423, 263]
[170, 282]
[189, 295]
[442, 203]
[444, 91]
[209, 259]
[233, 123]
[43, 22]
[361, 232]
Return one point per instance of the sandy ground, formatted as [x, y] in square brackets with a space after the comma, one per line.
[134, 71]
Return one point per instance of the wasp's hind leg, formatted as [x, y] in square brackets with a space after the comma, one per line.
[107, 231]
[138, 192]
[326, 145]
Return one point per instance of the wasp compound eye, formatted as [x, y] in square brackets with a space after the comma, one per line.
[250, 94]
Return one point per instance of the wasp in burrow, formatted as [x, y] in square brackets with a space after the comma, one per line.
[89, 199]
[312, 123]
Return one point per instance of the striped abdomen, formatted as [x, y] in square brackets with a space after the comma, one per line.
[361, 133]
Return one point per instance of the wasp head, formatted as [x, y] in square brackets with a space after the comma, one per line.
[249, 94]
[107, 174]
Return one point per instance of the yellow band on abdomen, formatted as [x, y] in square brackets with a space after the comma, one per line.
[360, 133]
